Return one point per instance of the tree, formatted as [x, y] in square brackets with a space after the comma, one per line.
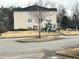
[3, 20]
[61, 14]
[75, 17]
[11, 19]
[65, 22]
[39, 14]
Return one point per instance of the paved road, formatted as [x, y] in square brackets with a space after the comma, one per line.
[11, 46]
[7, 44]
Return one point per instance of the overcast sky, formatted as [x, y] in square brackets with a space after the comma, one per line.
[68, 4]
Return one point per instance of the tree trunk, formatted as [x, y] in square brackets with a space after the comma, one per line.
[39, 29]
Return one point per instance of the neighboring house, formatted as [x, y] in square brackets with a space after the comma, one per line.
[23, 19]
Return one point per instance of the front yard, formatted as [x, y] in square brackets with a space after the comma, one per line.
[18, 34]
[69, 33]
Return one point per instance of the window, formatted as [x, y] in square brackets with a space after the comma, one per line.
[29, 20]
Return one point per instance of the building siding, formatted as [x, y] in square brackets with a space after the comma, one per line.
[21, 19]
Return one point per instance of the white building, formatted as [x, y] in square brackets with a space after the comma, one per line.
[24, 19]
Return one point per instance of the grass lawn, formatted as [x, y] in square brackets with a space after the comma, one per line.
[70, 32]
[12, 34]
[15, 34]
[71, 52]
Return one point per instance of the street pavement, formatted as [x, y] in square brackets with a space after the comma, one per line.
[10, 49]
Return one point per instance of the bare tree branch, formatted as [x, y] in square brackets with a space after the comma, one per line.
[40, 14]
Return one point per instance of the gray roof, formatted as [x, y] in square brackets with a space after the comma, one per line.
[35, 8]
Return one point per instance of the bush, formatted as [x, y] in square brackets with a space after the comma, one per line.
[3, 30]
